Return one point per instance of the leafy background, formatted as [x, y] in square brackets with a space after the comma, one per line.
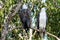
[53, 13]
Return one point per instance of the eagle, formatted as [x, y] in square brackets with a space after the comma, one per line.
[25, 16]
[42, 21]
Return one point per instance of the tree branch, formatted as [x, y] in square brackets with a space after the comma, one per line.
[40, 31]
[53, 35]
[7, 21]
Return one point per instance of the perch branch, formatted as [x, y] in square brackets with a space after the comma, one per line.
[39, 31]
[52, 35]
[48, 34]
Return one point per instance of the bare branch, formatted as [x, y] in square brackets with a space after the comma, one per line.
[52, 35]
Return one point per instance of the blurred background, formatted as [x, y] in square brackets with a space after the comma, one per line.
[53, 13]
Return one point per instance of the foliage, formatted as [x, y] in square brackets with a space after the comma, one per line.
[53, 12]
